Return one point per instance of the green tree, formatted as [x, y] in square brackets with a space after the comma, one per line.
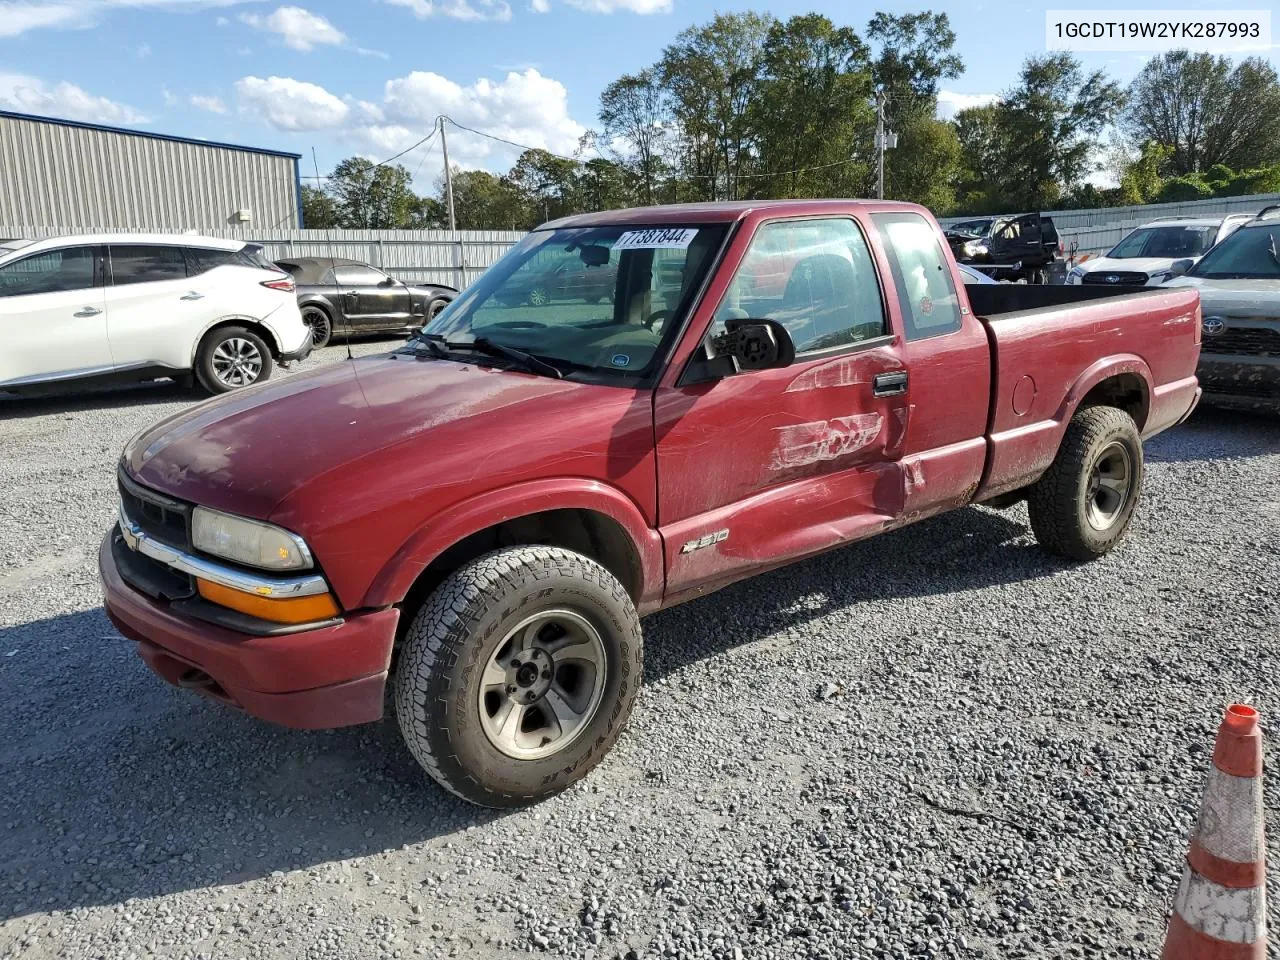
[1051, 120]
[917, 51]
[634, 113]
[984, 149]
[813, 112]
[1141, 180]
[483, 201]
[318, 210]
[547, 183]
[367, 196]
[1208, 111]
[712, 75]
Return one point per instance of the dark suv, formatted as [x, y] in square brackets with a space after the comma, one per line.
[1011, 247]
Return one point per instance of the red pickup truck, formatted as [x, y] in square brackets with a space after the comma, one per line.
[480, 517]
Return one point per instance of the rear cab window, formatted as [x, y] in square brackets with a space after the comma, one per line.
[921, 275]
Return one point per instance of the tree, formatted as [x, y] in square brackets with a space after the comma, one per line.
[366, 196]
[318, 210]
[813, 112]
[1207, 111]
[1049, 124]
[548, 184]
[1141, 180]
[984, 148]
[917, 50]
[633, 112]
[483, 201]
[712, 74]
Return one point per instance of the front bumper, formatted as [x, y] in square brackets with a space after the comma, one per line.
[1241, 379]
[330, 676]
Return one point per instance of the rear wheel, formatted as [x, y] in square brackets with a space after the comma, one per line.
[539, 296]
[435, 308]
[230, 358]
[1082, 506]
[518, 674]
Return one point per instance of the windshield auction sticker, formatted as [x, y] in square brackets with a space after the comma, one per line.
[657, 238]
[1151, 31]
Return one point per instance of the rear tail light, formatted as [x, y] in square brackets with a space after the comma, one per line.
[283, 284]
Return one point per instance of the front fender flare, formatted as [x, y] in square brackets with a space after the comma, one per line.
[496, 506]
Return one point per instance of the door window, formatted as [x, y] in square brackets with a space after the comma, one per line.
[146, 264]
[358, 275]
[202, 259]
[50, 271]
[921, 275]
[815, 277]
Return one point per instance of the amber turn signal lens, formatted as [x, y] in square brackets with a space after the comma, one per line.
[291, 610]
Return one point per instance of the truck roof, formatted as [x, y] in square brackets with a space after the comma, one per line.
[720, 212]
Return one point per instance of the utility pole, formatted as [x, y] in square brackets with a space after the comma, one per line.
[880, 144]
[448, 177]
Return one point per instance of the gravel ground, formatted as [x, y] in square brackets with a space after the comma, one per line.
[938, 743]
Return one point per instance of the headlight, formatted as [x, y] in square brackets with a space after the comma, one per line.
[1075, 275]
[247, 542]
[975, 249]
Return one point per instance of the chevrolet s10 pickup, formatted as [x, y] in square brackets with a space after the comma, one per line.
[479, 518]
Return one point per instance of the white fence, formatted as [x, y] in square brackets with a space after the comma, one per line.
[453, 257]
[456, 257]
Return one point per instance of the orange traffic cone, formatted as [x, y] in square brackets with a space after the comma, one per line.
[1220, 911]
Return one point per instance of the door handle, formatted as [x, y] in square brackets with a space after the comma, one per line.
[87, 312]
[192, 296]
[889, 384]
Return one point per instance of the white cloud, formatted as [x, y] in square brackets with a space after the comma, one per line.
[292, 105]
[27, 94]
[223, 22]
[143, 51]
[642, 7]
[950, 103]
[169, 98]
[300, 28]
[540, 6]
[212, 104]
[457, 9]
[366, 52]
[19, 16]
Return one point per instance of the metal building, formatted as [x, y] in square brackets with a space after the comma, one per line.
[58, 173]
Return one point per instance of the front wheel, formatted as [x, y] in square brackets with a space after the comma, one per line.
[1082, 506]
[518, 674]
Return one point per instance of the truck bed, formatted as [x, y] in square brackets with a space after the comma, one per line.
[1054, 346]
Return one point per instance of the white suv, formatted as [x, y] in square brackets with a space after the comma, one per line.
[139, 307]
[1149, 252]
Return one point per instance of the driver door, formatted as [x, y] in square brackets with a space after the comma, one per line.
[767, 466]
[370, 298]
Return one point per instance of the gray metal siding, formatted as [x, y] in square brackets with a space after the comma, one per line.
[82, 177]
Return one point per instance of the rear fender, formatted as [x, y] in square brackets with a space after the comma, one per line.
[1096, 373]
[509, 503]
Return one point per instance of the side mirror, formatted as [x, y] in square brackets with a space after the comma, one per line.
[755, 345]
[1179, 267]
[387, 282]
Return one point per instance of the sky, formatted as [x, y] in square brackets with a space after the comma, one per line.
[369, 76]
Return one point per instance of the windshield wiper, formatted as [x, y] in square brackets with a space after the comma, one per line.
[527, 360]
[435, 344]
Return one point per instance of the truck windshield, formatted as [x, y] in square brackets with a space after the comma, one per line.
[1251, 253]
[1175, 242]
[596, 301]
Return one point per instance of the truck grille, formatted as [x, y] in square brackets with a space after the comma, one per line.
[1123, 278]
[169, 521]
[1249, 341]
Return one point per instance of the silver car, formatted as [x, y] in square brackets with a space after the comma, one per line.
[1239, 284]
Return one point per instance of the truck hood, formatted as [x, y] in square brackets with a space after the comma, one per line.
[246, 451]
[1234, 298]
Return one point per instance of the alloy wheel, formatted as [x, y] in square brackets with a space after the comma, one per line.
[237, 362]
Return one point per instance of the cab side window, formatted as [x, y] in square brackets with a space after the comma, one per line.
[50, 271]
[815, 277]
[921, 275]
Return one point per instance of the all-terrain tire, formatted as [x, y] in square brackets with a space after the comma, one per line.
[1060, 502]
[463, 624]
